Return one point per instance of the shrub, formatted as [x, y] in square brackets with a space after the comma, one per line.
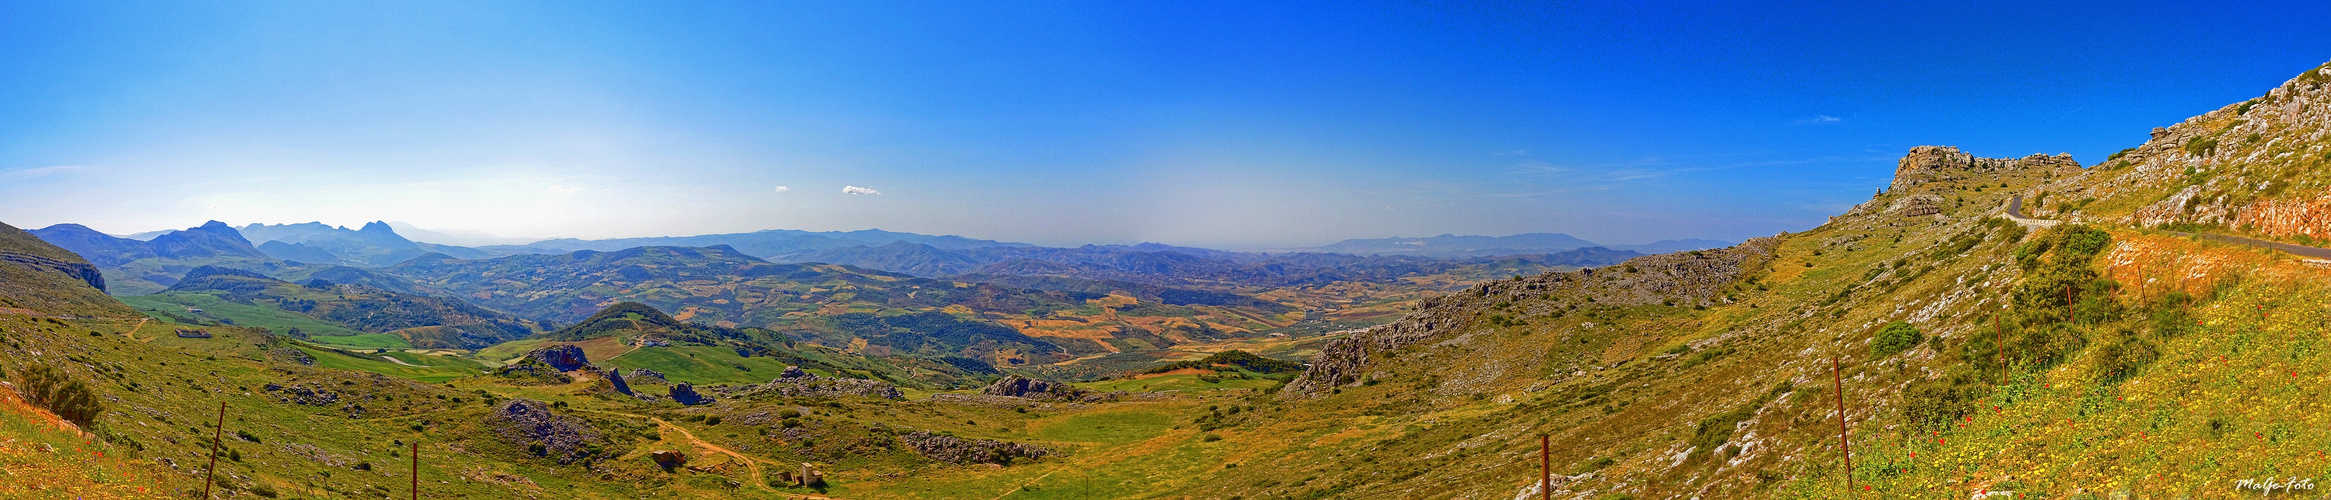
[714, 420]
[68, 398]
[1895, 338]
[2120, 360]
[1933, 404]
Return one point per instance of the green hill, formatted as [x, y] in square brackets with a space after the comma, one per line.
[352, 315]
[38, 276]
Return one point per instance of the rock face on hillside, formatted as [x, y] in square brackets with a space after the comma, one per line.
[80, 271]
[1928, 164]
[615, 379]
[2256, 164]
[957, 450]
[526, 422]
[797, 383]
[564, 358]
[1683, 278]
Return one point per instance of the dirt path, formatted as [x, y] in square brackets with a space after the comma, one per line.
[751, 465]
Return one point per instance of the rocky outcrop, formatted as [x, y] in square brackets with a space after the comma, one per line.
[531, 371]
[797, 383]
[1682, 279]
[1027, 388]
[531, 425]
[303, 394]
[959, 451]
[686, 394]
[615, 379]
[645, 374]
[561, 357]
[84, 272]
[668, 459]
[1932, 164]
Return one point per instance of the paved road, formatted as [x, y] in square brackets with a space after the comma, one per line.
[2299, 250]
[2015, 213]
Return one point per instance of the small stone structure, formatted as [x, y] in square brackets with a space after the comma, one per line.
[193, 334]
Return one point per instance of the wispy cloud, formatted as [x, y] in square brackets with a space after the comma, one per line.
[782, 189]
[26, 174]
[563, 189]
[1818, 120]
[859, 190]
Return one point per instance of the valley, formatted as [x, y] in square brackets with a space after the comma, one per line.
[2146, 326]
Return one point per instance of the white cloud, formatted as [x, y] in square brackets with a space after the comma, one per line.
[25, 174]
[1818, 120]
[782, 189]
[858, 190]
[563, 189]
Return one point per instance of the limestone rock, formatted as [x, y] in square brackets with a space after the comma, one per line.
[563, 357]
[684, 393]
[957, 450]
[797, 383]
[1027, 388]
[526, 423]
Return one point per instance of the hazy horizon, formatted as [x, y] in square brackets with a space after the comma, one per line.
[470, 238]
[1224, 125]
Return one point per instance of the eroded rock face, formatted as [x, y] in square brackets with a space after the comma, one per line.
[1683, 278]
[525, 423]
[1926, 164]
[686, 394]
[957, 450]
[84, 272]
[797, 383]
[564, 357]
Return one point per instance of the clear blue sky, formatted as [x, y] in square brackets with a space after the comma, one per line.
[1232, 124]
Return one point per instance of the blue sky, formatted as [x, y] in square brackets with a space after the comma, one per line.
[1228, 124]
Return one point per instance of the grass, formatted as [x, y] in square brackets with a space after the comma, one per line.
[1187, 382]
[172, 305]
[430, 369]
[700, 365]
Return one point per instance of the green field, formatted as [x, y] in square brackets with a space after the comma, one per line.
[176, 304]
[431, 369]
[701, 365]
[1185, 382]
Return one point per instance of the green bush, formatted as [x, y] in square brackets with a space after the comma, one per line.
[50, 388]
[1895, 338]
[1933, 404]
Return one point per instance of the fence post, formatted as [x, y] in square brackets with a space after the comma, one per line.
[416, 469]
[210, 473]
[1545, 467]
[1837, 377]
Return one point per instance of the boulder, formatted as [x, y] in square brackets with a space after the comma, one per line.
[615, 378]
[532, 425]
[956, 450]
[562, 357]
[793, 372]
[686, 394]
[669, 459]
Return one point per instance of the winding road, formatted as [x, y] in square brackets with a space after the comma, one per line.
[2015, 213]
